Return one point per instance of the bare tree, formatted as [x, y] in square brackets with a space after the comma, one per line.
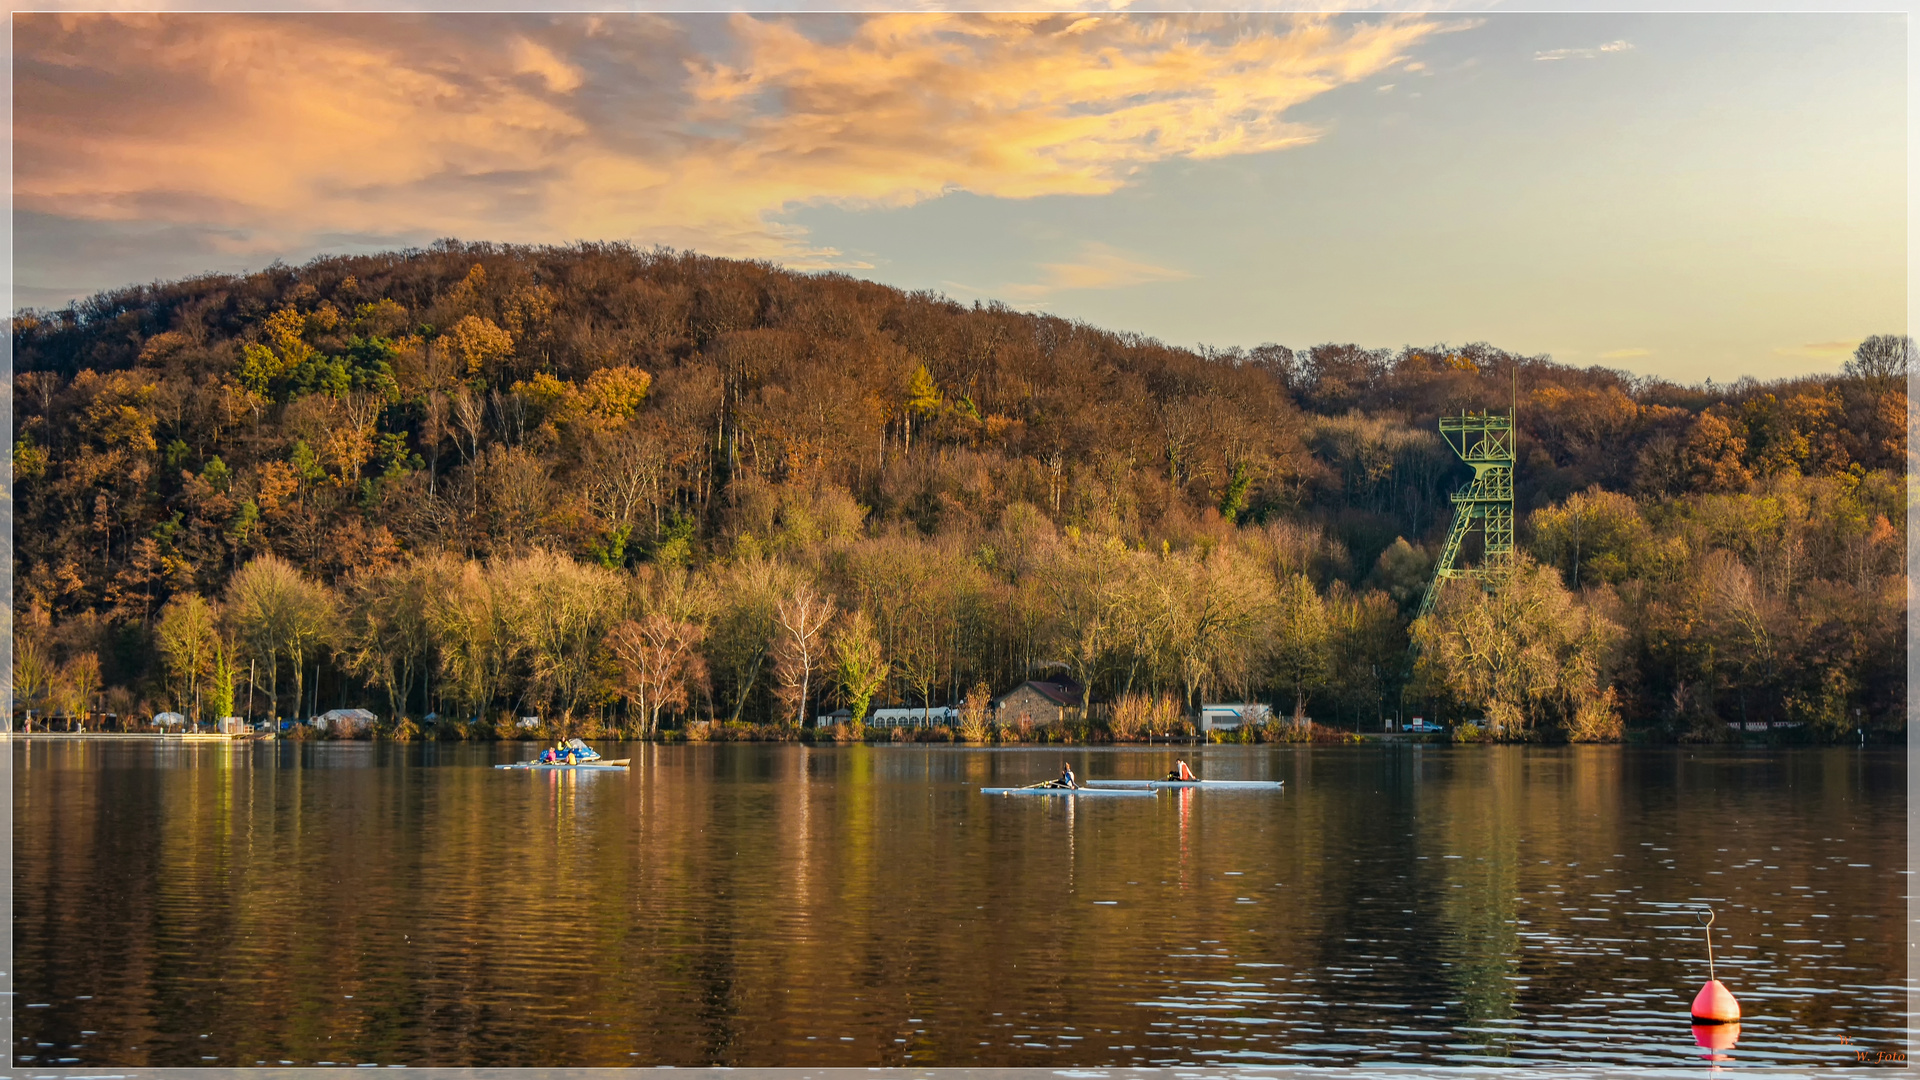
[1086, 581]
[1211, 604]
[1882, 359]
[802, 617]
[470, 416]
[433, 428]
[627, 478]
[661, 667]
[742, 628]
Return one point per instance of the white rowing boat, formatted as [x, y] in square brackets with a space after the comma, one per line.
[1222, 785]
[616, 763]
[1064, 791]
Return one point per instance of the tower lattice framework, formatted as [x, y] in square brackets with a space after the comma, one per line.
[1485, 441]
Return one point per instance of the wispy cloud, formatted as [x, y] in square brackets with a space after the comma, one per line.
[1626, 354]
[1821, 350]
[279, 128]
[1584, 54]
[1097, 267]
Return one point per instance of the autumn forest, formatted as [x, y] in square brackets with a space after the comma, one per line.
[664, 494]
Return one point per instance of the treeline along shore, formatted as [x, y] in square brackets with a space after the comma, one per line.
[652, 492]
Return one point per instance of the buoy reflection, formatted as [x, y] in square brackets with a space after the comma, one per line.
[1714, 1038]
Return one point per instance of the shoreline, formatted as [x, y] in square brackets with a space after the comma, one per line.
[1744, 742]
[211, 737]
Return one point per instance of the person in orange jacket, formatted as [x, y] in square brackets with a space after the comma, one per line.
[1181, 772]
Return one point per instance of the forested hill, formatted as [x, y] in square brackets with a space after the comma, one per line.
[658, 416]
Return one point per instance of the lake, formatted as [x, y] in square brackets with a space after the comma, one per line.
[749, 905]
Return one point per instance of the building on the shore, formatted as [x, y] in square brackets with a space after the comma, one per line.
[1233, 716]
[892, 716]
[1043, 701]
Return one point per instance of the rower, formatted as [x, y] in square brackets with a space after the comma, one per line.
[1066, 776]
[1181, 772]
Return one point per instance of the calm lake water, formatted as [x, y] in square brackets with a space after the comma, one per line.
[186, 905]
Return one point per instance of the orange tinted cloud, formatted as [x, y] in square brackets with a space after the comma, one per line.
[280, 128]
[1821, 350]
[1098, 267]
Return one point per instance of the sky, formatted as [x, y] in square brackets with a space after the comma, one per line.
[1687, 196]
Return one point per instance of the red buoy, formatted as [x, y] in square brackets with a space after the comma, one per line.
[1714, 1004]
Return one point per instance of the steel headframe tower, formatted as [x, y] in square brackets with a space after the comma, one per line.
[1485, 441]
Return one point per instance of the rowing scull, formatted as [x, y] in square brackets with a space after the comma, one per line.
[1063, 791]
[1231, 785]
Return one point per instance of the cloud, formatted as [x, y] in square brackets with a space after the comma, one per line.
[531, 57]
[1584, 54]
[1626, 354]
[1098, 267]
[692, 132]
[1821, 350]
[280, 125]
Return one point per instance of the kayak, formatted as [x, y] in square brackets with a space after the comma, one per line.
[1064, 791]
[617, 763]
[1226, 785]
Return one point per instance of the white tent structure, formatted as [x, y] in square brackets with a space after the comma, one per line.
[345, 722]
[168, 719]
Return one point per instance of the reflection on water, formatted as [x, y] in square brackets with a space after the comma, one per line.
[784, 905]
[1716, 1039]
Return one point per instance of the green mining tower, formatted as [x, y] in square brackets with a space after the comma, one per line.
[1484, 441]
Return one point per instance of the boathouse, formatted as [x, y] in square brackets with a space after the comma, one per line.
[1233, 716]
[892, 716]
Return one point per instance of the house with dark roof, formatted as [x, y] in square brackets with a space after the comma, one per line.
[1048, 701]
